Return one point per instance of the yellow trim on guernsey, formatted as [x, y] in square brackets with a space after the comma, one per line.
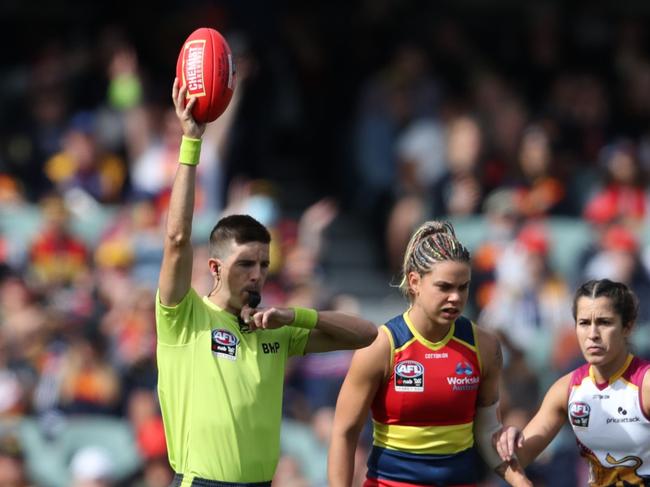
[476, 349]
[431, 440]
[392, 344]
[435, 346]
[618, 374]
[417, 336]
[473, 348]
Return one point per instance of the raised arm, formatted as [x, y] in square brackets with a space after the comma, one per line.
[176, 269]
[539, 432]
[368, 370]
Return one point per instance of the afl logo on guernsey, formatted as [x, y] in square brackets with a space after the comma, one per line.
[224, 344]
[579, 413]
[409, 376]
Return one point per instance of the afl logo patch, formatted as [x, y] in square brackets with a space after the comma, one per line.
[224, 344]
[579, 414]
[409, 376]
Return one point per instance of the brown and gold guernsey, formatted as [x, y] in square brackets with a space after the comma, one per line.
[423, 416]
[610, 425]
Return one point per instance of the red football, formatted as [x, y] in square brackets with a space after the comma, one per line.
[206, 66]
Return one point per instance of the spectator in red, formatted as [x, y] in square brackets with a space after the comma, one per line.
[56, 256]
[624, 195]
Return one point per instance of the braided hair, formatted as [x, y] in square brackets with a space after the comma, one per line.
[434, 241]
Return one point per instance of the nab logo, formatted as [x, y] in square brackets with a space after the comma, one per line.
[409, 376]
[271, 347]
[579, 413]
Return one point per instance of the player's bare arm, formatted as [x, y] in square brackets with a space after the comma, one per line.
[488, 416]
[368, 370]
[539, 432]
[492, 358]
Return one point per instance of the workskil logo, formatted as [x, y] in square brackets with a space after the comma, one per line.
[464, 380]
[464, 368]
[409, 376]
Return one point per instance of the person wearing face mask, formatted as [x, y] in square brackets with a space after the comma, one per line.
[606, 400]
[221, 358]
[431, 380]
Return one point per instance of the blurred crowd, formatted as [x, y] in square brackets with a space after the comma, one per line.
[514, 117]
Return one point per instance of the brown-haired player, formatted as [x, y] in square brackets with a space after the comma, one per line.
[221, 359]
[607, 400]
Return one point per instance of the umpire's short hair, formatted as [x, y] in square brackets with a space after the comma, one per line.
[240, 228]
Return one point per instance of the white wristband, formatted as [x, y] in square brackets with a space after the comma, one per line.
[486, 423]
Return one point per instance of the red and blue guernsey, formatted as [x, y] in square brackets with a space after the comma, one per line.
[423, 416]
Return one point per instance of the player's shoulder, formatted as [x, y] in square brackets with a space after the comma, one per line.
[564, 381]
[489, 349]
[377, 355]
[558, 394]
[169, 306]
[383, 342]
[645, 389]
[486, 339]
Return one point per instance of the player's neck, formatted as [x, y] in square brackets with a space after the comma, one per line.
[604, 372]
[432, 331]
[223, 301]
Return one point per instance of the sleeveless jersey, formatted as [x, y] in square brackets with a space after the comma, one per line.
[423, 416]
[613, 432]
